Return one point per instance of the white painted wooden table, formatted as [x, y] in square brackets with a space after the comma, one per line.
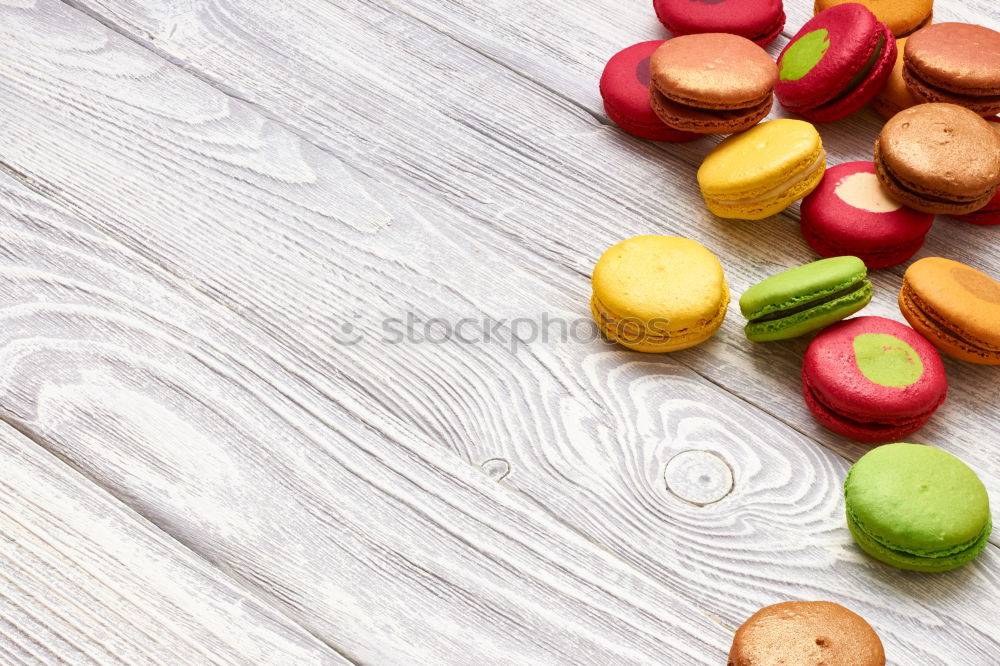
[212, 452]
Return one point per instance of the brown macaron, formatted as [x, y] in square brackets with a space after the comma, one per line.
[806, 633]
[957, 63]
[711, 83]
[939, 158]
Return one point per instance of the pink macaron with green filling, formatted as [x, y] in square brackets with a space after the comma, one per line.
[850, 213]
[834, 65]
[873, 379]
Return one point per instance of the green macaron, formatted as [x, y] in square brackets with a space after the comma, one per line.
[917, 507]
[805, 298]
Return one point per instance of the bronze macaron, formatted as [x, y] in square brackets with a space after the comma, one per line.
[957, 63]
[711, 83]
[806, 633]
[939, 158]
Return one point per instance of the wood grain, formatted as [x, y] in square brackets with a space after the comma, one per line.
[182, 175]
[578, 179]
[85, 580]
[376, 542]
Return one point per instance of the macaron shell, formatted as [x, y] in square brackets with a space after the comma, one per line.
[757, 160]
[955, 306]
[641, 340]
[625, 90]
[917, 501]
[851, 213]
[895, 96]
[902, 16]
[801, 284]
[713, 71]
[873, 369]
[827, 54]
[688, 119]
[939, 158]
[757, 20]
[958, 63]
[986, 216]
[810, 320]
[763, 170]
[990, 213]
[861, 431]
[806, 632]
[798, 288]
[865, 91]
[916, 562]
[668, 292]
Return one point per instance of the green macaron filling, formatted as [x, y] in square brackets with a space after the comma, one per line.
[926, 562]
[805, 298]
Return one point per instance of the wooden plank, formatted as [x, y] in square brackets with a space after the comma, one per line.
[379, 543]
[586, 431]
[573, 178]
[85, 580]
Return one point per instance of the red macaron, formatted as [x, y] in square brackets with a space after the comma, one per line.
[837, 62]
[850, 213]
[757, 20]
[873, 379]
[625, 91]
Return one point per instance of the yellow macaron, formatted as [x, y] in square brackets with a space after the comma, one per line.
[764, 170]
[659, 293]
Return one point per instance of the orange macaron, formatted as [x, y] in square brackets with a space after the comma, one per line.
[954, 306]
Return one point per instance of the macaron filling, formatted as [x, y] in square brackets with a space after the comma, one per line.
[867, 423]
[819, 163]
[634, 332]
[966, 550]
[850, 293]
[862, 74]
[963, 340]
[918, 194]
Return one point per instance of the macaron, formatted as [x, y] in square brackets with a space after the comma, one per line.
[805, 298]
[625, 91]
[834, 65]
[806, 633]
[917, 507]
[851, 213]
[762, 171]
[711, 83]
[759, 21]
[990, 213]
[954, 306]
[902, 16]
[939, 158]
[895, 96]
[872, 379]
[957, 63]
[658, 293]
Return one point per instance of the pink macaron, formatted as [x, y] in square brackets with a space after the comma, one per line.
[834, 65]
[758, 20]
[873, 379]
[990, 214]
[625, 91]
[850, 213]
